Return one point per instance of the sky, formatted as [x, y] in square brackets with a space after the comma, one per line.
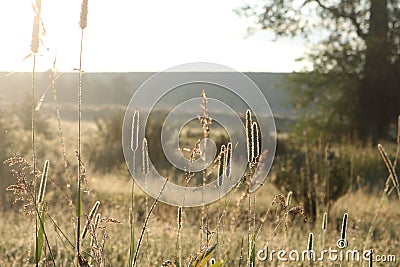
[146, 35]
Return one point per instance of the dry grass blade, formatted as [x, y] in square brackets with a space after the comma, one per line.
[90, 218]
[146, 221]
[390, 168]
[43, 182]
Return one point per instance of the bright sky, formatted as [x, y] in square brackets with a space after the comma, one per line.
[146, 35]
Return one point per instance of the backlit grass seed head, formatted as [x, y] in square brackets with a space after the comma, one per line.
[205, 120]
[254, 142]
[43, 182]
[289, 199]
[325, 221]
[249, 136]
[90, 218]
[145, 157]
[344, 226]
[84, 13]
[221, 165]
[228, 159]
[36, 27]
[135, 131]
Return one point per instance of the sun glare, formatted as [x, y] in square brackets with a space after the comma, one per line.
[136, 36]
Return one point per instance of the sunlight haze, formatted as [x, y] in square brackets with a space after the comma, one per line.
[125, 36]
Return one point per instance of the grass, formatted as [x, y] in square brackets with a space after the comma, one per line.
[43, 227]
[17, 231]
[164, 240]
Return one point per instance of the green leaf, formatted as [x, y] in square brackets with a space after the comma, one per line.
[202, 257]
[252, 251]
[40, 234]
[78, 206]
[132, 243]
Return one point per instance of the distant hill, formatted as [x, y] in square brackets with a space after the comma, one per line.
[106, 92]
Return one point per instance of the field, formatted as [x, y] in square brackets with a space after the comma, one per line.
[372, 214]
[68, 197]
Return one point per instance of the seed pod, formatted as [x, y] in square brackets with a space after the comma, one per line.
[288, 199]
[254, 141]
[259, 140]
[36, 27]
[221, 166]
[228, 159]
[249, 136]
[145, 157]
[135, 131]
[84, 13]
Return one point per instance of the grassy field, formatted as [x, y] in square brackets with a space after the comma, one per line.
[372, 222]
[83, 210]
[17, 231]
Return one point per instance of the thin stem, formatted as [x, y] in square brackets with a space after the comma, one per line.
[78, 226]
[34, 154]
[132, 216]
[60, 131]
[146, 221]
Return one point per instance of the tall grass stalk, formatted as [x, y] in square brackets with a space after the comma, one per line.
[34, 49]
[206, 122]
[60, 131]
[146, 221]
[82, 24]
[145, 167]
[134, 147]
[179, 238]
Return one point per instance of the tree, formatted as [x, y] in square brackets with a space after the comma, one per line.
[355, 55]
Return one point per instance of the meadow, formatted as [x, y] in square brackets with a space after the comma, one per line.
[67, 197]
[277, 218]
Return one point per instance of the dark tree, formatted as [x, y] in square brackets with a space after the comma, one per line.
[355, 54]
